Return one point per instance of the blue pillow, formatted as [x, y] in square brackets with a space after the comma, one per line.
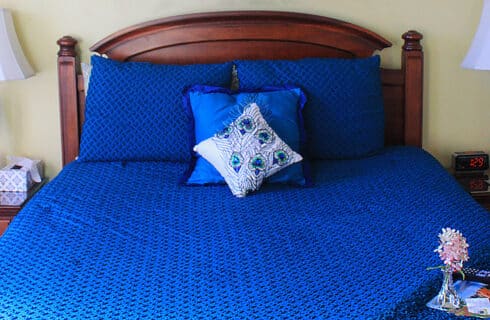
[134, 109]
[213, 109]
[344, 115]
[247, 151]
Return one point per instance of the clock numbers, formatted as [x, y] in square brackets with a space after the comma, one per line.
[477, 162]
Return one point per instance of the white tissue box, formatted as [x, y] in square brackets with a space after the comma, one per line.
[13, 198]
[15, 179]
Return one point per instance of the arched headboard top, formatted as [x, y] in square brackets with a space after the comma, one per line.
[217, 36]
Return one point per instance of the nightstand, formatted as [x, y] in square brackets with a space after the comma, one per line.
[475, 184]
[483, 199]
[12, 202]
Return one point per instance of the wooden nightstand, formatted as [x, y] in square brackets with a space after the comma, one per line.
[483, 199]
[16, 200]
[476, 181]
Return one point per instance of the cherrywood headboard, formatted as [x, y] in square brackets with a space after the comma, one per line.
[224, 36]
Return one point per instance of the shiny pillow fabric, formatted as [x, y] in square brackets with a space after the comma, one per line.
[214, 108]
[134, 109]
[344, 115]
[247, 151]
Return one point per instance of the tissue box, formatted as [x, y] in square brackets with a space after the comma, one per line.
[13, 198]
[12, 179]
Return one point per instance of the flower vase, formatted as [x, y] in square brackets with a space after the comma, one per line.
[448, 299]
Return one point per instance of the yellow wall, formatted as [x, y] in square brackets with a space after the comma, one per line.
[457, 108]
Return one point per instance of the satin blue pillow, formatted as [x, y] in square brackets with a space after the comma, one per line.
[344, 115]
[134, 109]
[214, 108]
[247, 151]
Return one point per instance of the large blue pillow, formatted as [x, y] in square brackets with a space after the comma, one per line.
[134, 109]
[214, 108]
[344, 115]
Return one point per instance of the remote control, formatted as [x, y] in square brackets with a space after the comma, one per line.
[472, 274]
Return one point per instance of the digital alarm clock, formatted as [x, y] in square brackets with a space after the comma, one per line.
[470, 161]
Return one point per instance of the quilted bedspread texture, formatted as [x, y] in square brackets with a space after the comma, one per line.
[126, 241]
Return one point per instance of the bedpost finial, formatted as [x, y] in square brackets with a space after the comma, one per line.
[412, 41]
[67, 46]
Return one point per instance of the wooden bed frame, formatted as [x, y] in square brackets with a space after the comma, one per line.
[224, 36]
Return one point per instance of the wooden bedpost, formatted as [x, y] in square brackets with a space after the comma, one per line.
[412, 68]
[67, 81]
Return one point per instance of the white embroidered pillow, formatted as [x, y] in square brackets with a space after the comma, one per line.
[247, 151]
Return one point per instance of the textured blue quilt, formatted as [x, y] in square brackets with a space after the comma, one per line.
[125, 241]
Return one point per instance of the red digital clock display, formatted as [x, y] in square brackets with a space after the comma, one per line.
[470, 161]
[478, 162]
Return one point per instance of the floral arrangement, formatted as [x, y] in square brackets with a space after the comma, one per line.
[452, 249]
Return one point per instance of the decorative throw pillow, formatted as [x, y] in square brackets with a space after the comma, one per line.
[344, 115]
[134, 109]
[247, 151]
[213, 108]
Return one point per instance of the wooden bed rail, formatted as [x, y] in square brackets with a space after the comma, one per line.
[215, 37]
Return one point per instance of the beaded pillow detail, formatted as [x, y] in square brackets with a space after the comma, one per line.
[247, 151]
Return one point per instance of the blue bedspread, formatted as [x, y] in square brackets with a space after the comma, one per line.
[125, 241]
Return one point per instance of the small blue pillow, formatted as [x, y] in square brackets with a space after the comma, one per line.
[344, 115]
[214, 108]
[134, 109]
